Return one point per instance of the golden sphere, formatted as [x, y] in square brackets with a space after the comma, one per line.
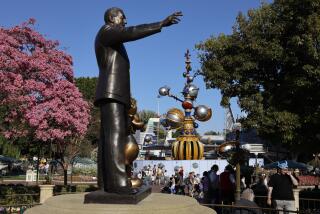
[131, 150]
[136, 182]
[202, 113]
[175, 118]
[227, 146]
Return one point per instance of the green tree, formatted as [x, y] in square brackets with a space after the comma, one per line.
[87, 86]
[270, 62]
[7, 148]
[145, 115]
[211, 133]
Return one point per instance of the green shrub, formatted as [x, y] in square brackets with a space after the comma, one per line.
[92, 171]
[61, 189]
[18, 194]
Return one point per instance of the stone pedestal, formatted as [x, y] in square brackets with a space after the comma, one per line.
[156, 203]
[296, 197]
[46, 191]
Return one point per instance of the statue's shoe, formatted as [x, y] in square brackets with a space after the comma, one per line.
[124, 191]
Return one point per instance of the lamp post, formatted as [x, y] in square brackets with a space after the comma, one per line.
[237, 128]
[158, 124]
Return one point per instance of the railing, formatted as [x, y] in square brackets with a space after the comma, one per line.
[234, 209]
[309, 205]
[306, 206]
[18, 203]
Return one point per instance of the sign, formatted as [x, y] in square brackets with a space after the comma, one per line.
[31, 175]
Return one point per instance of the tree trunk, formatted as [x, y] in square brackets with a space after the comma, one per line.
[71, 174]
[65, 173]
[65, 176]
[38, 164]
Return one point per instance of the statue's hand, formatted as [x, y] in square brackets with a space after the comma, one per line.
[172, 19]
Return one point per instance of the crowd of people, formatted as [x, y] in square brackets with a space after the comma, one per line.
[156, 175]
[213, 188]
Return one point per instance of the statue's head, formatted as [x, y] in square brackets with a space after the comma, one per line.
[115, 16]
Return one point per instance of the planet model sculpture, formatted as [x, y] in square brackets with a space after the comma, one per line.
[188, 145]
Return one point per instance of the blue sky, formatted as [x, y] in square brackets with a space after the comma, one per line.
[155, 61]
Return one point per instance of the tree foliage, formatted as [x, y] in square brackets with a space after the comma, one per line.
[145, 115]
[7, 149]
[211, 133]
[87, 86]
[270, 62]
[39, 100]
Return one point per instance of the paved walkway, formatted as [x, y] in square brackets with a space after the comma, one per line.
[156, 188]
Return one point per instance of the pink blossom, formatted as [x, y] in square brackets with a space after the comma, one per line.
[37, 87]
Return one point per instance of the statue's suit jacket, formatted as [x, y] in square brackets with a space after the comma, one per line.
[113, 61]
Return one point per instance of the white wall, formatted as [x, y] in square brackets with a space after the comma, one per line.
[197, 166]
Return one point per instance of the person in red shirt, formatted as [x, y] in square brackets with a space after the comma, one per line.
[227, 185]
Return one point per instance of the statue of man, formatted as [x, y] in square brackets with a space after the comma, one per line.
[113, 94]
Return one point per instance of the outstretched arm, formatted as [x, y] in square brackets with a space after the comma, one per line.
[111, 35]
[172, 19]
[118, 34]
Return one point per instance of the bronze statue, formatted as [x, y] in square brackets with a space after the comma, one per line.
[113, 95]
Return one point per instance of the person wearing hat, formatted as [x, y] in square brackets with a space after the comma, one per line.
[280, 188]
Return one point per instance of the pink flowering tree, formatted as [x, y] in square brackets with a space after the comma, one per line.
[38, 98]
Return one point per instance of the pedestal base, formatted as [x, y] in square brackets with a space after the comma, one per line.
[101, 197]
[156, 203]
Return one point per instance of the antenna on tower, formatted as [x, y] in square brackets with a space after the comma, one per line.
[229, 120]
